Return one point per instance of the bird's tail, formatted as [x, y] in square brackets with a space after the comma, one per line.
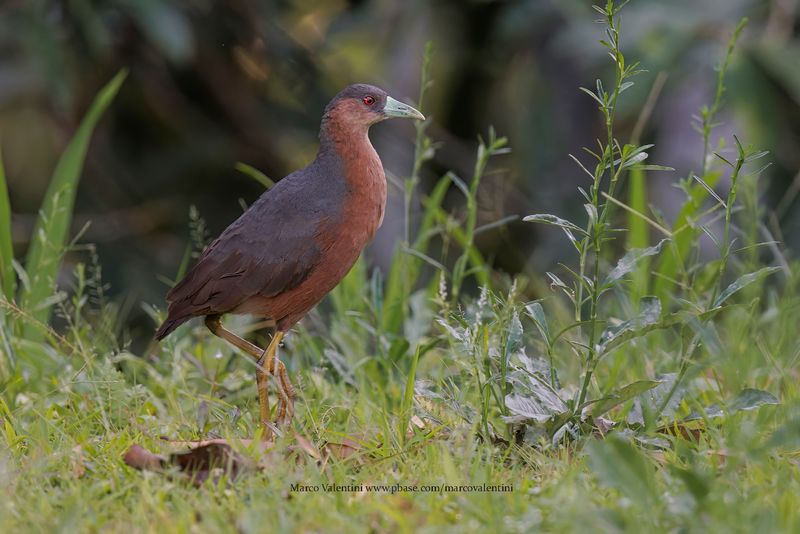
[168, 326]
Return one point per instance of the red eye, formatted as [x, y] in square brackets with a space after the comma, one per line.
[369, 100]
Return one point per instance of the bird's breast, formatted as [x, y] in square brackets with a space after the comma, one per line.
[365, 197]
[360, 213]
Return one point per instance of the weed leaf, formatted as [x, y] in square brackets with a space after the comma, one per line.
[534, 399]
[536, 313]
[628, 262]
[567, 226]
[604, 404]
[741, 282]
[647, 403]
[649, 315]
[747, 399]
[750, 399]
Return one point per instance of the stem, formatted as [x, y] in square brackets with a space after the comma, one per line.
[591, 358]
[420, 145]
[495, 146]
[679, 379]
[726, 247]
[710, 114]
[596, 228]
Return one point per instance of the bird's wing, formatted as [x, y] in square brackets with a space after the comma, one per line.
[270, 249]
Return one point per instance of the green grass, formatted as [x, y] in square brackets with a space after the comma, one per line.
[65, 436]
[604, 407]
[49, 238]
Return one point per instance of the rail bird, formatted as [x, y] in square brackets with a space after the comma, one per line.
[296, 242]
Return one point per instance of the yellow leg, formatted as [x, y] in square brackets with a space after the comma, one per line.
[214, 324]
[263, 371]
[287, 392]
[267, 364]
[270, 364]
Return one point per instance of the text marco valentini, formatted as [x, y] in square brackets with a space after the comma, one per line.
[396, 488]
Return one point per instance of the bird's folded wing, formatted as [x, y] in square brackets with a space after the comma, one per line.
[256, 256]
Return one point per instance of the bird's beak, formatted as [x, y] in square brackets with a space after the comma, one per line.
[393, 108]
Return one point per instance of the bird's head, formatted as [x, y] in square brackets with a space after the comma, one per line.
[362, 105]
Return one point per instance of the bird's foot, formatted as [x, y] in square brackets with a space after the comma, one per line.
[271, 368]
[262, 383]
[286, 394]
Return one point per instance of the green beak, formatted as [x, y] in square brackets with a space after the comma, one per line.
[393, 108]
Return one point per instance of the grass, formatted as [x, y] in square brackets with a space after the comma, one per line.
[603, 405]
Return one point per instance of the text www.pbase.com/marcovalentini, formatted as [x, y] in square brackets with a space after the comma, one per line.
[397, 488]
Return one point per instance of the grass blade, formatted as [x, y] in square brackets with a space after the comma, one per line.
[255, 174]
[405, 269]
[618, 464]
[408, 394]
[50, 232]
[672, 261]
[638, 233]
[7, 275]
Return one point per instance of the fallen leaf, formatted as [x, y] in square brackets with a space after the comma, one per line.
[216, 458]
[690, 431]
[720, 455]
[78, 462]
[140, 458]
[659, 456]
[210, 460]
[344, 449]
[414, 424]
[204, 459]
[305, 445]
[602, 425]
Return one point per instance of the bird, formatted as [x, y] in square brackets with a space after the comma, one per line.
[294, 244]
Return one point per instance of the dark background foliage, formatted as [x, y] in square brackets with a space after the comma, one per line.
[215, 83]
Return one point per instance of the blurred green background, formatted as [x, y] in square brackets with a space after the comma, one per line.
[216, 83]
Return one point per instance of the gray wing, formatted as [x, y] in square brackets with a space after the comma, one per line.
[270, 249]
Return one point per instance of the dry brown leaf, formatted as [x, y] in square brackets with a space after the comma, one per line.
[690, 431]
[140, 458]
[78, 462]
[212, 459]
[720, 455]
[602, 426]
[658, 456]
[197, 461]
[305, 445]
[414, 424]
[343, 449]
[204, 459]
[415, 421]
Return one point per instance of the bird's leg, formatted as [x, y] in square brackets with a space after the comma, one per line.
[285, 409]
[287, 390]
[264, 368]
[214, 324]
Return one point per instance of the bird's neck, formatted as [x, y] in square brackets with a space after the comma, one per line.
[341, 137]
[348, 148]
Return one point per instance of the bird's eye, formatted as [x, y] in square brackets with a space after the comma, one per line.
[369, 100]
